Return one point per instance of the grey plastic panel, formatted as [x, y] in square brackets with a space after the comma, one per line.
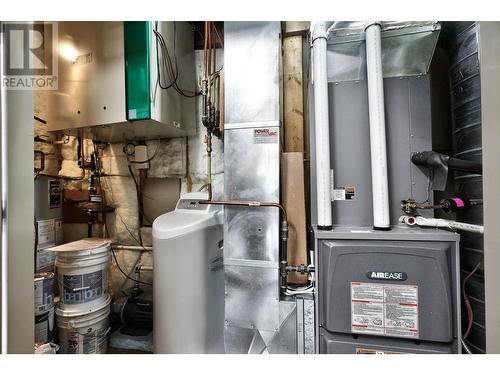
[427, 264]
[334, 343]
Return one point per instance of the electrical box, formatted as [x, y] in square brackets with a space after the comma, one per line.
[108, 81]
[394, 292]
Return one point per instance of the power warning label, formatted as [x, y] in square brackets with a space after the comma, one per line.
[265, 135]
[384, 309]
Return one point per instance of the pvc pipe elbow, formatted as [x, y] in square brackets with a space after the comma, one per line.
[319, 30]
[373, 23]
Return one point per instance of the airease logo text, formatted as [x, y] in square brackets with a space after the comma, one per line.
[384, 275]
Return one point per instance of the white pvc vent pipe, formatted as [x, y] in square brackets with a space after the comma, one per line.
[321, 125]
[380, 185]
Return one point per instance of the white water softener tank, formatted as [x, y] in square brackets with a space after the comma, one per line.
[188, 315]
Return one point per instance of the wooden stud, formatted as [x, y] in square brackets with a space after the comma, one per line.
[293, 94]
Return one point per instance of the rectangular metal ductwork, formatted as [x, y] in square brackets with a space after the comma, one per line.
[407, 49]
[255, 319]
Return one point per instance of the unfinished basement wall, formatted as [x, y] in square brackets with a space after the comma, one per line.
[184, 159]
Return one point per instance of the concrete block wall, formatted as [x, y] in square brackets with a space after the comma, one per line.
[183, 158]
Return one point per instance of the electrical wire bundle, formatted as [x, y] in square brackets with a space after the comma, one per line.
[166, 64]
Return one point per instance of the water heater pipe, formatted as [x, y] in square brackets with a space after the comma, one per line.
[380, 184]
[321, 125]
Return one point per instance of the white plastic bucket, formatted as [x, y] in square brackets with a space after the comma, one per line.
[84, 333]
[82, 274]
[44, 327]
[44, 292]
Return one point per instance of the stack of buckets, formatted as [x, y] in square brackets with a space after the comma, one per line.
[82, 315]
[44, 307]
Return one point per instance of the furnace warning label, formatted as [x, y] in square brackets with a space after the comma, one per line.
[384, 309]
[344, 193]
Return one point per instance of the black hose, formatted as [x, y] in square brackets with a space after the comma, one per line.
[465, 165]
[432, 159]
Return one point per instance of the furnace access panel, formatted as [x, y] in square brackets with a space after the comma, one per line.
[388, 296]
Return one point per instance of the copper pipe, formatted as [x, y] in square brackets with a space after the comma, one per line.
[209, 49]
[210, 69]
[61, 177]
[214, 49]
[210, 44]
[205, 60]
[247, 204]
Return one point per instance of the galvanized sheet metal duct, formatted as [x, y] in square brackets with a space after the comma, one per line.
[407, 49]
[256, 321]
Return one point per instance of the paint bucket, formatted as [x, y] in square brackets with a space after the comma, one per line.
[44, 292]
[82, 274]
[44, 327]
[84, 333]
